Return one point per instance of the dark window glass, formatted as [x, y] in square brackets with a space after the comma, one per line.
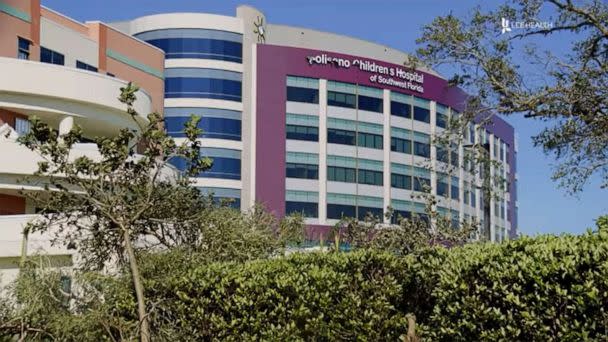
[442, 154]
[307, 95]
[369, 140]
[420, 183]
[337, 211]
[297, 132]
[401, 181]
[50, 56]
[363, 211]
[201, 48]
[85, 66]
[454, 158]
[371, 104]
[230, 201]
[422, 114]
[210, 88]
[341, 174]
[401, 109]
[307, 209]
[338, 136]
[398, 215]
[441, 120]
[422, 149]
[338, 99]
[455, 192]
[110, 74]
[23, 48]
[306, 171]
[442, 188]
[218, 128]
[226, 168]
[370, 177]
[473, 199]
[401, 145]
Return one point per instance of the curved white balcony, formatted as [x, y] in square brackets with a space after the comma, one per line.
[53, 92]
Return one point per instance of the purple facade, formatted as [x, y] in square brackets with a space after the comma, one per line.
[275, 63]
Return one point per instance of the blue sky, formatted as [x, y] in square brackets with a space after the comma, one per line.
[543, 208]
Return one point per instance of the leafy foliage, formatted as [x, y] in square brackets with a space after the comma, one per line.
[500, 72]
[545, 288]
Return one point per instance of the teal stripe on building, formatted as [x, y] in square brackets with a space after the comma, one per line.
[133, 63]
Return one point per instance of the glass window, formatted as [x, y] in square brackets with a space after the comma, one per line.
[22, 126]
[455, 191]
[371, 104]
[338, 211]
[339, 136]
[222, 167]
[370, 177]
[422, 149]
[399, 215]
[420, 183]
[369, 140]
[307, 95]
[442, 154]
[442, 188]
[85, 66]
[296, 132]
[50, 56]
[200, 48]
[304, 171]
[441, 120]
[198, 87]
[23, 48]
[110, 74]
[401, 181]
[422, 114]
[364, 211]
[341, 174]
[473, 199]
[218, 128]
[403, 110]
[401, 145]
[338, 99]
[307, 209]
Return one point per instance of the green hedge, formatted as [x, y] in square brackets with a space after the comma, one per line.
[531, 289]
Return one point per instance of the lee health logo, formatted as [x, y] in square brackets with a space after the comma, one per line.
[505, 26]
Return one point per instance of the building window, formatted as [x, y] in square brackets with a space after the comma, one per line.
[372, 104]
[217, 128]
[399, 215]
[226, 163]
[455, 191]
[196, 87]
[338, 211]
[50, 56]
[338, 99]
[422, 149]
[441, 120]
[339, 136]
[341, 174]
[306, 95]
[401, 145]
[110, 74]
[369, 140]
[200, 48]
[422, 114]
[22, 126]
[403, 110]
[297, 132]
[304, 171]
[401, 181]
[23, 48]
[307, 209]
[364, 211]
[85, 66]
[442, 188]
[421, 183]
[370, 177]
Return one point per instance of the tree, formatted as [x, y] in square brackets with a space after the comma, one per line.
[573, 94]
[130, 197]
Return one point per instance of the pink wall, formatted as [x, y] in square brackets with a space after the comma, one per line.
[11, 28]
[11, 205]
